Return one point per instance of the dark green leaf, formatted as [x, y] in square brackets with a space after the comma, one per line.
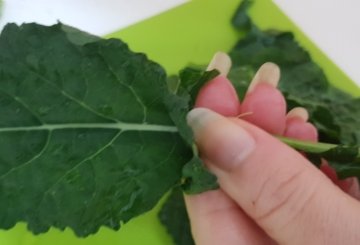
[78, 37]
[178, 107]
[85, 139]
[197, 178]
[174, 217]
[343, 171]
[341, 154]
[345, 160]
[173, 83]
[240, 19]
[314, 159]
[240, 76]
[346, 114]
[258, 47]
[323, 120]
[192, 80]
[182, 97]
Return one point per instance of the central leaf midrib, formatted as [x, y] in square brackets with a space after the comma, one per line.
[118, 125]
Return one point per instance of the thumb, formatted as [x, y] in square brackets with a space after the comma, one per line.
[290, 199]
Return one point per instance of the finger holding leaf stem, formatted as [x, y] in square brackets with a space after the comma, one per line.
[311, 147]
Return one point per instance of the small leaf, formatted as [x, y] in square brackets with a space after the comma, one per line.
[178, 106]
[174, 217]
[192, 80]
[240, 19]
[342, 154]
[345, 170]
[345, 160]
[197, 178]
[78, 37]
[315, 159]
[324, 122]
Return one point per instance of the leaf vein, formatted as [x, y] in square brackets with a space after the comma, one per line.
[99, 151]
[70, 97]
[132, 90]
[36, 156]
[18, 100]
[118, 125]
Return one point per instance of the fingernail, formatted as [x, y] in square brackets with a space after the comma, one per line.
[220, 140]
[221, 62]
[298, 112]
[268, 73]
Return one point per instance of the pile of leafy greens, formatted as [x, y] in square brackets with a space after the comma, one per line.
[92, 134]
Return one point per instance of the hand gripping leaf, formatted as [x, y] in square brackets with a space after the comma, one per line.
[85, 139]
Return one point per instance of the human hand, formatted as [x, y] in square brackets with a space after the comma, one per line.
[269, 193]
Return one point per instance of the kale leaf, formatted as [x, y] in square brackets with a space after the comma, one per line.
[90, 134]
[196, 178]
[174, 217]
[85, 137]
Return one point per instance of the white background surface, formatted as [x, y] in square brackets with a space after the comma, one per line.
[334, 26]
[98, 17]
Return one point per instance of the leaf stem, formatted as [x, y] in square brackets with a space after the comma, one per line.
[308, 146]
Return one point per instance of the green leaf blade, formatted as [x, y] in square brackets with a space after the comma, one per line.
[174, 217]
[87, 140]
[196, 177]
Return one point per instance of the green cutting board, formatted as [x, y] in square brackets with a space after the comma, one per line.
[189, 34]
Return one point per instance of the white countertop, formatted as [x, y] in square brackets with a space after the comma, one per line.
[333, 25]
[98, 17]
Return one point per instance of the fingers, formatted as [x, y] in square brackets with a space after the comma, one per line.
[264, 103]
[218, 94]
[277, 187]
[297, 126]
[217, 219]
[221, 62]
[349, 185]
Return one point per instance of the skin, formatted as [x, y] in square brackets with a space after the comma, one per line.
[273, 195]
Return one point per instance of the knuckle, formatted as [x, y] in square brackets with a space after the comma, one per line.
[281, 197]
